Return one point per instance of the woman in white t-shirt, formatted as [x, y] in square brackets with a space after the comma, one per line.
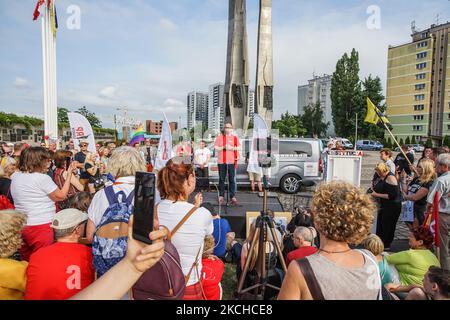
[176, 182]
[35, 194]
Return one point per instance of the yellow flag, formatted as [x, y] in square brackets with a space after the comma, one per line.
[373, 114]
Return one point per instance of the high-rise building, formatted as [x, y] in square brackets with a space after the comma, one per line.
[418, 85]
[197, 109]
[317, 90]
[251, 104]
[216, 107]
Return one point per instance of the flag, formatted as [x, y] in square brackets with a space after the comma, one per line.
[81, 130]
[432, 220]
[37, 11]
[165, 152]
[260, 132]
[54, 17]
[138, 135]
[375, 116]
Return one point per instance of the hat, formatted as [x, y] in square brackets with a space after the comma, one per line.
[84, 142]
[68, 218]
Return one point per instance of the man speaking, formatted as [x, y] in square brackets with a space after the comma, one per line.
[227, 146]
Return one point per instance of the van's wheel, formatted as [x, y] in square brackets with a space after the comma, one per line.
[291, 184]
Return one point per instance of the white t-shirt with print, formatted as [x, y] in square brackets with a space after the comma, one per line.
[30, 192]
[190, 237]
[201, 156]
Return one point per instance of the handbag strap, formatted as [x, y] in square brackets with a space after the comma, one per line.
[311, 280]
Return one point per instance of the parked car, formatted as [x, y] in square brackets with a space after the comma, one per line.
[288, 172]
[418, 148]
[347, 144]
[368, 145]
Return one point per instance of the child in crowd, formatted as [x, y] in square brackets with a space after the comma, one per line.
[212, 272]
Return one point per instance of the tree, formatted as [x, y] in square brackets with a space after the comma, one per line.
[413, 140]
[313, 122]
[289, 126]
[429, 143]
[372, 89]
[446, 141]
[388, 143]
[401, 142]
[346, 95]
[407, 141]
[63, 118]
[91, 117]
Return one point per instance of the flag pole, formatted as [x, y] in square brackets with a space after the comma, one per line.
[356, 131]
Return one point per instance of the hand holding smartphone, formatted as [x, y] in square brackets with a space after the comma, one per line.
[144, 205]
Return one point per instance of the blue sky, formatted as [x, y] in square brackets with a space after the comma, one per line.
[148, 54]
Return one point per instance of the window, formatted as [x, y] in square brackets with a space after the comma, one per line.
[448, 127]
[421, 66]
[422, 44]
[419, 107]
[295, 148]
[421, 76]
[419, 97]
[420, 86]
[422, 55]
[417, 128]
[418, 118]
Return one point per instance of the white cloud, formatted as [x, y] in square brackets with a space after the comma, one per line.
[168, 25]
[108, 92]
[21, 83]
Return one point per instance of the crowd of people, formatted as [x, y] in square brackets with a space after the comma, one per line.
[67, 217]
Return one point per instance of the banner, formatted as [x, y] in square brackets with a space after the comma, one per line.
[81, 130]
[165, 152]
[260, 132]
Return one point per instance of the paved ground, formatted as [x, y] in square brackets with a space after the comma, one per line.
[370, 160]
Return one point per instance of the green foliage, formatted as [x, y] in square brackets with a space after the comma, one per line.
[413, 140]
[91, 117]
[446, 141]
[401, 142]
[429, 143]
[407, 141]
[63, 118]
[106, 131]
[8, 120]
[313, 121]
[346, 95]
[373, 89]
[289, 126]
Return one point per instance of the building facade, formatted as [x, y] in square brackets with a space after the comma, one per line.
[155, 127]
[197, 109]
[418, 85]
[317, 90]
[216, 107]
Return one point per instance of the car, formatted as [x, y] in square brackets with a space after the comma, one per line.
[418, 147]
[347, 144]
[297, 162]
[368, 145]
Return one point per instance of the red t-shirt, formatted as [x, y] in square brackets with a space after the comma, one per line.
[59, 271]
[212, 274]
[228, 156]
[300, 253]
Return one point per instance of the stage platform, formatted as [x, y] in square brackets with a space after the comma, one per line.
[236, 215]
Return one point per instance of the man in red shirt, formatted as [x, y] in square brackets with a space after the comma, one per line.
[303, 240]
[227, 145]
[59, 271]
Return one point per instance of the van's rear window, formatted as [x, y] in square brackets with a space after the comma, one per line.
[295, 148]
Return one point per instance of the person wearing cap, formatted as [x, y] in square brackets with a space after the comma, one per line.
[62, 270]
[80, 157]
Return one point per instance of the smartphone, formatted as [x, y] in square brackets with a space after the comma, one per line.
[68, 162]
[144, 205]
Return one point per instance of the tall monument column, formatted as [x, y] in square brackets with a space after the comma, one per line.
[237, 79]
[264, 69]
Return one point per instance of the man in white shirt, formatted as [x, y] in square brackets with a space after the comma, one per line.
[201, 160]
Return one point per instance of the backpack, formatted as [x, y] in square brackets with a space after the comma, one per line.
[110, 239]
[165, 280]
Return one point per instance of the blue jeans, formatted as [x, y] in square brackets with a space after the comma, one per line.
[230, 170]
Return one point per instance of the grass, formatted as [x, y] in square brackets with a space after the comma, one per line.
[229, 282]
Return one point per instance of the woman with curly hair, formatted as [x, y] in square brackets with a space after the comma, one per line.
[413, 264]
[343, 216]
[12, 272]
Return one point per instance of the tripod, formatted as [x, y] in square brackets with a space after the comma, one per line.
[263, 224]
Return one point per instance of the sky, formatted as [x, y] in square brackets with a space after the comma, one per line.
[148, 55]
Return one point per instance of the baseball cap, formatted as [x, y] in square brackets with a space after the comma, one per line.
[68, 218]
